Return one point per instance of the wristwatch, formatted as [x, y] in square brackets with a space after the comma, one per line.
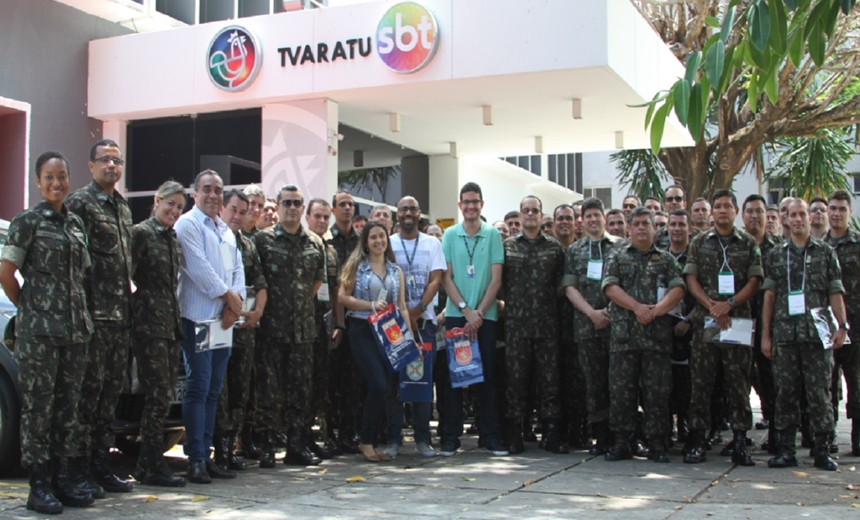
[731, 301]
[462, 305]
[423, 307]
[845, 326]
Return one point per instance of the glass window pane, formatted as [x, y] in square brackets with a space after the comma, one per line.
[536, 166]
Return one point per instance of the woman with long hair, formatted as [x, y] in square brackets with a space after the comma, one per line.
[370, 281]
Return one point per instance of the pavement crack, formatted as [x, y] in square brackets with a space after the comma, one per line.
[532, 482]
[713, 483]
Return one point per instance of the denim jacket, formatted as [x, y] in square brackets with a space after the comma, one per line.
[363, 276]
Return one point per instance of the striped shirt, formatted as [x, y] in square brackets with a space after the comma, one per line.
[203, 277]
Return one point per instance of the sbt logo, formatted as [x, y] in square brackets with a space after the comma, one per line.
[407, 37]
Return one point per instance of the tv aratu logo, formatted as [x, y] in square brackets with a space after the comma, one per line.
[407, 37]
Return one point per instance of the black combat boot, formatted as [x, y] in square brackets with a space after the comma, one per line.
[219, 442]
[637, 447]
[831, 442]
[513, 436]
[216, 471]
[267, 454]
[79, 468]
[320, 451]
[197, 472]
[715, 436]
[298, 452]
[695, 451]
[822, 452]
[100, 470]
[233, 462]
[855, 437]
[41, 499]
[740, 455]
[248, 441]
[771, 445]
[621, 449]
[683, 429]
[785, 457]
[347, 436]
[657, 449]
[65, 488]
[156, 472]
[602, 438]
[552, 440]
[331, 441]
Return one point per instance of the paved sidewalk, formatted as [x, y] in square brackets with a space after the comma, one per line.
[475, 485]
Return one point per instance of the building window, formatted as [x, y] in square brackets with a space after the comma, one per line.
[857, 184]
[604, 193]
[566, 170]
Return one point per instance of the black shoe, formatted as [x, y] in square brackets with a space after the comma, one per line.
[785, 457]
[855, 437]
[657, 450]
[695, 451]
[552, 439]
[602, 438]
[449, 448]
[298, 452]
[620, 450]
[41, 499]
[320, 451]
[763, 424]
[248, 442]
[267, 459]
[216, 471]
[332, 447]
[197, 472]
[347, 438]
[637, 447]
[104, 477]
[79, 468]
[281, 440]
[156, 472]
[740, 455]
[822, 453]
[233, 462]
[66, 490]
[495, 447]
[715, 436]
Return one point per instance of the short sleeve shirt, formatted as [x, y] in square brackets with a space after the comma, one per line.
[481, 251]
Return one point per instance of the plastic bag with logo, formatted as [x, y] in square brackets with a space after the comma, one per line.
[394, 339]
[416, 380]
[464, 359]
[825, 324]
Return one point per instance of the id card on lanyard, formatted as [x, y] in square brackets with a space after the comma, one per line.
[796, 299]
[595, 265]
[726, 278]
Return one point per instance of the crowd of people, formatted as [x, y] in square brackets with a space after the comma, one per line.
[617, 331]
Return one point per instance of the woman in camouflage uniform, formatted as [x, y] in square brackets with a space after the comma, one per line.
[47, 244]
[157, 331]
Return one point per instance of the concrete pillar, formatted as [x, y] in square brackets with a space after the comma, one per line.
[446, 176]
[300, 147]
[116, 131]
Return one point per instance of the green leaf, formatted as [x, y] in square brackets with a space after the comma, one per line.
[814, 16]
[830, 20]
[728, 24]
[778, 26]
[759, 24]
[760, 59]
[696, 116]
[711, 21]
[771, 85]
[693, 62]
[682, 100]
[817, 44]
[657, 127]
[753, 92]
[738, 56]
[727, 70]
[714, 61]
[847, 5]
[795, 48]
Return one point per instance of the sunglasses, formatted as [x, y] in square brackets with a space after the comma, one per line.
[294, 203]
[674, 199]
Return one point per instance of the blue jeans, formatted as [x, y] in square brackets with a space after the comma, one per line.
[420, 411]
[377, 373]
[488, 395]
[205, 377]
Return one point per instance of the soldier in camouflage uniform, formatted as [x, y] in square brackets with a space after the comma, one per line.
[723, 273]
[534, 265]
[644, 284]
[233, 401]
[846, 243]
[754, 215]
[802, 274]
[318, 217]
[583, 274]
[47, 244]
[294, 265]
[107, 218]
[157, 327]
[346, 388]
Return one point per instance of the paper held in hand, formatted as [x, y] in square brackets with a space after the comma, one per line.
[209, 335]
[825, 324]
[740, 332]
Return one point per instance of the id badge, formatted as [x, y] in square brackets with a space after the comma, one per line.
[726, 283]
[661, 293]
[796, 303]
[595, 270]
[410, 281]
[470, 271]
[383, 295]
[322, 293]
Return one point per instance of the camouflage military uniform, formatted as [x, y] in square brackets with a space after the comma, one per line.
[640, 355]
[762, 373]
[233, 401]
[532, 274]
[705, 260]
[800, 363]
[53, 327]
[573, 406]
[346, 384]
[157, 327]
[848, 357]
[291, 264]
[108, 223]
[662, 240]
[593, 344]
[322, 305]
[679, 400]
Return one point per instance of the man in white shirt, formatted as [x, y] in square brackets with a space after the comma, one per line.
[211, 287]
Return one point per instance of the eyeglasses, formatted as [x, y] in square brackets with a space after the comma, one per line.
[471, 202]
[629, 206]
[291, 202]
[533, 211]
[105, 160]
[409, 209]
[674, 199]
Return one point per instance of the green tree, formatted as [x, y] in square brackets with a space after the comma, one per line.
[756, 71]
[369, 178]
[641, 171]
[812, 166]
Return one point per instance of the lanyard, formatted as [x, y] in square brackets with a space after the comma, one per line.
[725, 256]
[599, 248]
[679, 255]
[409, 259]
[472, 252]
[788, 267]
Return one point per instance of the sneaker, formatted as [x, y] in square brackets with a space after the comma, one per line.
[391, 450]
[495, 447]
[449, 448]
[425, 449]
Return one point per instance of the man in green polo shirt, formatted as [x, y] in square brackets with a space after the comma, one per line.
[475, 255]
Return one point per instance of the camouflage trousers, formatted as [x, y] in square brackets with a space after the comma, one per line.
[50, 379]
[346, 388]
[524, 355]
[761, 378]
[236, 392]
[157, 364]
[107, 362]
[679, 399]
[798, 369]
[848, 358]
[705, 361]
[572, 387]
[319, 379]
[285, 377]
[594, 360]
[640, 372]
